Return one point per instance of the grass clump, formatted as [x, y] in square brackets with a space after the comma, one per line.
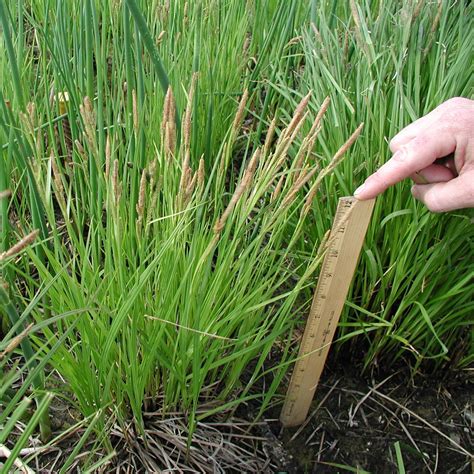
[179, 227]
[178, 255]
[387, 64]
[181, 300]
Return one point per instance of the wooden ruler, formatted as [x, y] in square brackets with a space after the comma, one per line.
[343, 249]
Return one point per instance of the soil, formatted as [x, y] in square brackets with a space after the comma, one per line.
[354, 425]
[355, 422]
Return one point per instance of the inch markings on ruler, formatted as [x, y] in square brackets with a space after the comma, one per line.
[342, 253]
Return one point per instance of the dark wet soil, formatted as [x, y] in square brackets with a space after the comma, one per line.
[356, 422]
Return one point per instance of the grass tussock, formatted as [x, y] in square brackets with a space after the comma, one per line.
[164, 200]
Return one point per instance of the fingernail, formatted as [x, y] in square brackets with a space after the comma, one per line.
[359, 189]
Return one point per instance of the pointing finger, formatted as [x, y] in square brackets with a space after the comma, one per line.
[416, 155]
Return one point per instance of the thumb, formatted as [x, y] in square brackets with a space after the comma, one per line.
[457, 193]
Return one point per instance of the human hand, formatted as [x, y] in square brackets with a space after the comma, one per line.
[442, 185]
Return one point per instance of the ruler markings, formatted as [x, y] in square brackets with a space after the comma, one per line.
[343, 249]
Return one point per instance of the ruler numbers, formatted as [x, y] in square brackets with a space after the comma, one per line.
[343, 248]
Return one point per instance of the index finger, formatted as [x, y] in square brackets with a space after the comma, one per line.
[411, 131]
[417, 154]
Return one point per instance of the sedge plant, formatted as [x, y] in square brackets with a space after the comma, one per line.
[387, 64]
[190, 247]
[177, 245]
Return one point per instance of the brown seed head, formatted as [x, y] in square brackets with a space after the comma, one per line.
[240, 112]
[169, 124]
[201, 173]
[6, 193]
[15, 341]
[89, 119]
[358, 30]
[57, 180]
[298, 115]
[304, 178]
[21, 245]
[160, 37]
[278, 187]
[141, 194]
[115, 182]
[31, 109]
[188, 114]
[108, 154]
[419, 6]
[80, 150]
[239, 190]
[135, 111]
[269, 137]
[435, 24]
[337, 158]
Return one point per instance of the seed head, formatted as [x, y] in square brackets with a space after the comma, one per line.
[141, 194]
[269, 137]
[278, 187]
[88, 117]
[240, 112]
[168, 124]
[188, 114]
[298, 115]
[419, 6]
[435, 24]
[135, 111]
[115, 182]
[201, 173]
[239, 190]
[80, 150]
[160, 37]
[57, 180]
[6, 193]
[337, 158]
[108, 154]
[21, 245]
